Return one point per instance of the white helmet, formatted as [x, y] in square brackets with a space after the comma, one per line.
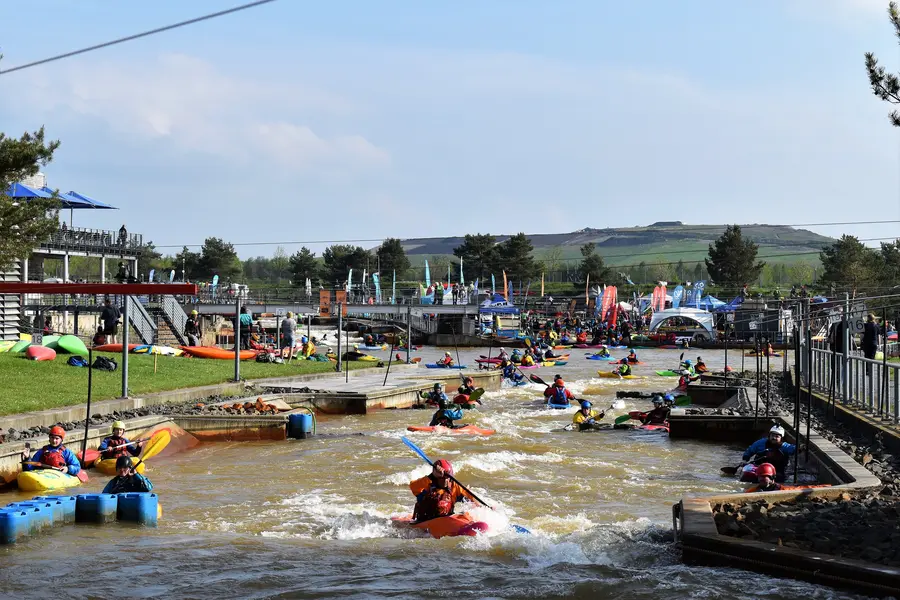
[777, 430]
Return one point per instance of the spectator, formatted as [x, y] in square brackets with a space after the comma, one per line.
[122, 273]
[288, 329]
[110, 317]
[246, 324]
[870, 341]
[192, 330]
[99, 337]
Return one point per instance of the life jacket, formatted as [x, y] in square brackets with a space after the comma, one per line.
[527, 360]
[433, 503]
[53, 456]
[559, 395]
[582, 337]
[625, 369]
[657, 416]
[775, 457]
[115, 441]
[509, 371]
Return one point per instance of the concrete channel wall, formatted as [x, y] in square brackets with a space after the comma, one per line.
[703, 545]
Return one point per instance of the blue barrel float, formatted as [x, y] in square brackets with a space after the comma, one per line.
[65, 507]
[139, 507]
[40, 513]
[15, 523]
[301, 425]
[95, 508]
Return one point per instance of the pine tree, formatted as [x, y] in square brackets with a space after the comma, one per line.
[886, 85]
[732, 260]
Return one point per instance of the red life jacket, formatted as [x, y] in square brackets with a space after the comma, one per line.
[53, 456]
[433, 503]
[113, 441]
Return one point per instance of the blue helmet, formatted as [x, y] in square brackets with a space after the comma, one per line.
[687, 362]
[586, 404]
[669, 397]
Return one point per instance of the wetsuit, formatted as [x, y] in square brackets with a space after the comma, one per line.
[657, 416]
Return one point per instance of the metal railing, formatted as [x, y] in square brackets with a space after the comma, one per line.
[872, 386]
[141, 320]
[94, 240]
[175, 316]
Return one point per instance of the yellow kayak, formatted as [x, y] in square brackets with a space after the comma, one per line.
[45, 479]
[107, 466]
[608, 375]
[5, 346]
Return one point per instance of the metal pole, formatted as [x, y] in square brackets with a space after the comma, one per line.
[87, 412]
[726, 354]
[309, 328]
[796, 420]
[408, 331]
[809, 355]
[769, 379]
[884, 371]
[125, 347]
[347, 370]
[237, 337]
[758, 381]
[845, 350]
[388, 371]
[340, 326]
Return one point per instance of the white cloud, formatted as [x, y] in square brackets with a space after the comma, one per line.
[196, 108]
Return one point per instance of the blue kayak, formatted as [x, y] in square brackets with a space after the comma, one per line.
[437, 366]
[515, 383]
[549, 405]
[590, 357]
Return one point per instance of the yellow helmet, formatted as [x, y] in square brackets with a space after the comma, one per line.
[118, 425]
[194, 312]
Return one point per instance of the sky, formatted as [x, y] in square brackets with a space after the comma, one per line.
[301, 121]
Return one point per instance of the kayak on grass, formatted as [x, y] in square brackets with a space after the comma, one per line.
[365, 347]
[437, 366]
[215, 352]
[45, 479]
[452, 525]
[464, 430]
[114, 347]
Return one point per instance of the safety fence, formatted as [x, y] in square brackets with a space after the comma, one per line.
[870, 385]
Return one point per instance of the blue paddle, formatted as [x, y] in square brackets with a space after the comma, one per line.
[417, 450]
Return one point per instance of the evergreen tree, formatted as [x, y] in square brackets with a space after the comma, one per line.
[479, 254]
[279, 264]
[732, 260]
[849, 264]
[339, 259]
[392, 258]
[24, 224]
[187, 264]
[514, 257]
[218, 257]
[304, 265]
[886, 85]
[592, 264]
[698, 271]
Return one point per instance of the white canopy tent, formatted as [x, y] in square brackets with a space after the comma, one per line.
[701, 317]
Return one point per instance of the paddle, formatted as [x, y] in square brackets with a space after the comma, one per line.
[158, 441]
[81, 475]
[129, 444]
[729, 470]
[417, 450]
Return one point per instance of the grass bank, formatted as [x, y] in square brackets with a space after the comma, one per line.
[26, 385]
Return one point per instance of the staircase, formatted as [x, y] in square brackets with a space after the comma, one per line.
[170, 319]
[144, 325]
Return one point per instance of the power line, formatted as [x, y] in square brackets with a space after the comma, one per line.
[136, 36]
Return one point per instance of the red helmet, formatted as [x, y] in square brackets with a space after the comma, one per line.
[559, 382]
[445, 466]
[765, 469]
[57, 430]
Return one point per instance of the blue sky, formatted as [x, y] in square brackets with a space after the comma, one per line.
[302, 121]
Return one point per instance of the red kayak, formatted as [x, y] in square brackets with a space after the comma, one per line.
[663, 427]
[453, 525]
[488, 361]
[464, 430]
[215, 352]
[40, 352]
[90, 456]
[114, 347]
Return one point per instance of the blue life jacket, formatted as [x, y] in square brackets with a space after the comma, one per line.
[453, 414]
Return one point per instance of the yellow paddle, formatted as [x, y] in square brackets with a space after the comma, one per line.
[158, 441]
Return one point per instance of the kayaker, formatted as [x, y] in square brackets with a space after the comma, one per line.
[126, 480]
[701, 366]
[503, 354]
[557, 393]
[765, 476]
[54, 454]
[586, 418]
[771, 449]
[467, 387]
[446, 414]
[632, 356]
[623, 370]
[436, 494]
[192, 330]
[660, 413]
[603, 353]
[528, 360]
[669, 399]
[688, 367]
[446, 361]
[369, 340]
[115, 445]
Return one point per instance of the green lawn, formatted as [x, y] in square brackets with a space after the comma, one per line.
[27, 385]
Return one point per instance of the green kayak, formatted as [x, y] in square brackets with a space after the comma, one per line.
[668, 374]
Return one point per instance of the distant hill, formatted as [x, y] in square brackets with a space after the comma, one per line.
[668, 241]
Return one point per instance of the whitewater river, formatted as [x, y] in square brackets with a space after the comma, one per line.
[311, 519]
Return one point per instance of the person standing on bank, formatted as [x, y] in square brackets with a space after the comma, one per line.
[288, 329]
[870, 341]
[110, 318]
[246, 324]
[192, 330]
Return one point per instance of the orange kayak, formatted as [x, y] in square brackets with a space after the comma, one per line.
[114, 347]
[465, 429]
[214, 352]
[444, 526]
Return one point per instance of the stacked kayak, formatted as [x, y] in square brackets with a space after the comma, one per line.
[453, 525]
[5, 346]
[464, 430]
[114, 347]
[211, 352]
[161, 350]
[45, 479]
[40, 353]
[50, 341]
[71, 344]
[437, 366]
[20, 346]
